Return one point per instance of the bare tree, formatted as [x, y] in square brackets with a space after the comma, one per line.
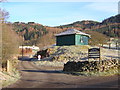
[4, 15]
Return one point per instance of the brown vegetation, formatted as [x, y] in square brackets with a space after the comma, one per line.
[97, 38]
[42, 36]
[10, 43]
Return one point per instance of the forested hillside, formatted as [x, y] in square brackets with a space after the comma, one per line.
[37, 34]
[109, 27]
[29, 30]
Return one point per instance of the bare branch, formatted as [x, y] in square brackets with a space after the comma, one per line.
[4, 15]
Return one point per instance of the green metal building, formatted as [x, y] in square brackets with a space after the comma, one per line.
[72, 37]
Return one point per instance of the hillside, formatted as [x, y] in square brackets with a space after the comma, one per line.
[109, 26]
[37, 34]
[29, 30]
[82, 25]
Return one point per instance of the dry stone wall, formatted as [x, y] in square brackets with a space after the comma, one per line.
[91, 65]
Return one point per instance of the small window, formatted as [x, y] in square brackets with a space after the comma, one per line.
[81, 39]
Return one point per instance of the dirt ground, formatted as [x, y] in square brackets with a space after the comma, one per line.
[51, 77]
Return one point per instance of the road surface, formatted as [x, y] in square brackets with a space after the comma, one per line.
[51, 77]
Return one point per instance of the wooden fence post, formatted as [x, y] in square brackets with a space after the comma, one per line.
[109, 45]
[0, 62]
[99, 54]
[9, 66]
[116, 45]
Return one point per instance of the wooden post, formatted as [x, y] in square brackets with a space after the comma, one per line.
[0, 66]
[109, 45]
[116, 45]
[22, 52]
[99, 56]
[88, 54]
[9, 66]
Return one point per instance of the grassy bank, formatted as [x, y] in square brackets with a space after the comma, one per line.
[9, 78]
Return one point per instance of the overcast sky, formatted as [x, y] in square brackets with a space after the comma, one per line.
[59, 13]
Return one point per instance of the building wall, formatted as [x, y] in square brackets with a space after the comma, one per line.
[81, 40]
[65, 40]
[86, 38]
[72, 40]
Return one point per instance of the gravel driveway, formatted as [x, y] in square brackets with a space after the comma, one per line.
[52, 77]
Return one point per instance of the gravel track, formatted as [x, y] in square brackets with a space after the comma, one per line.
[51, 77]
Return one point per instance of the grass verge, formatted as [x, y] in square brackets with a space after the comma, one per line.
[96, 73]
[10, 78]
